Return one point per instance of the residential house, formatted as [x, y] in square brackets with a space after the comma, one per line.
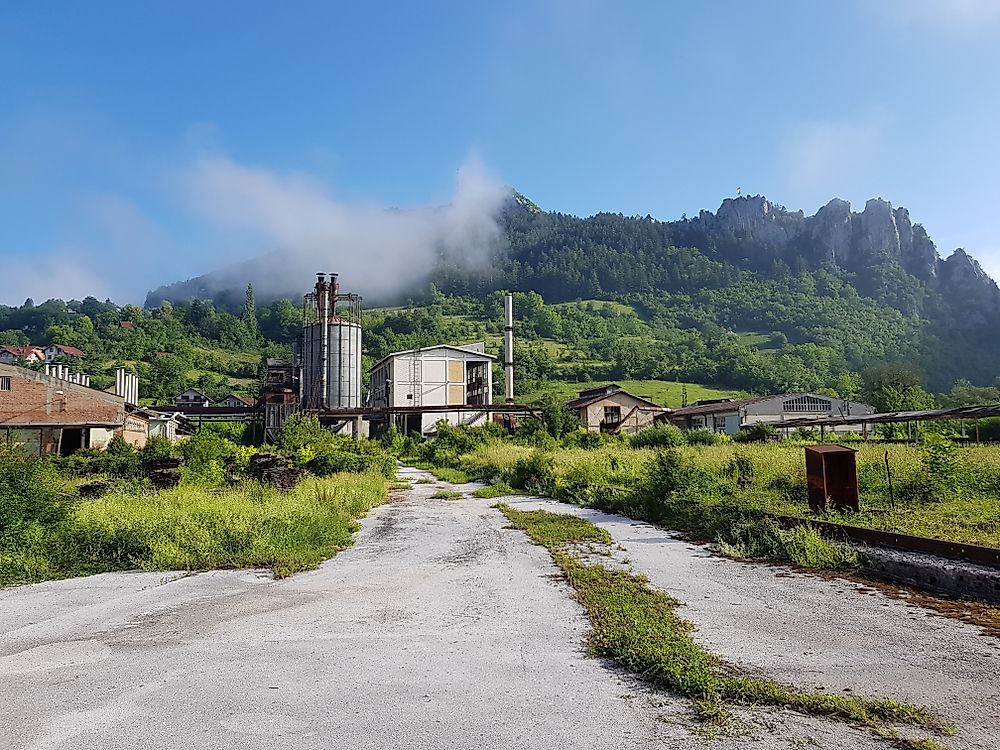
[729, 416]
[233, 401]
[14, 354]
[54, 351]
[609, 408]
[430, 378]
[54, 412]
[190, 398]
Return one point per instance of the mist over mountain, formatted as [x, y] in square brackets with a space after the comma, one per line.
[870, 283]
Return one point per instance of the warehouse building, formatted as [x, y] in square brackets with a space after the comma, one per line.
[58, 412]
[729, 416]
[431, 378]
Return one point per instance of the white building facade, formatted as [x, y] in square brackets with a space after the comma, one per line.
[435, 376]
[730, 416]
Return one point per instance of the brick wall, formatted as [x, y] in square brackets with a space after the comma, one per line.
[34, 398]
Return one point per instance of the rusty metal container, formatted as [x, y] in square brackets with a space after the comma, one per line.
[832, 474]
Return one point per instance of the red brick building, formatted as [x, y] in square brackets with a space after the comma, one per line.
[46, 414]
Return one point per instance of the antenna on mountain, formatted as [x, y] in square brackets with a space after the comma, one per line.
[738, 191]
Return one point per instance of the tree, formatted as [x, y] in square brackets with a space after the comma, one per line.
[250, 316]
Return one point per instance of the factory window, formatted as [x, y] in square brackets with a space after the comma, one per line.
[5, 383]
[612, 414]
[806, 404]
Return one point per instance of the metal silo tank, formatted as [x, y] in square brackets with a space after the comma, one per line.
[343, 383]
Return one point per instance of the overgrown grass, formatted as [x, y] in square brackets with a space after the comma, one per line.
[638, 627]
[962, 506]
[446, 495]
[195, 528]
[446, 473]
[491, 491]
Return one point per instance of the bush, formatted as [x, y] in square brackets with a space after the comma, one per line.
[30, 499]
[701, 436]
[757, 433]
[661, 436]
[533, 473]
[205, 455]
[302, 431]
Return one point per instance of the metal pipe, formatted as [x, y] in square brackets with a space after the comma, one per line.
[508, 347]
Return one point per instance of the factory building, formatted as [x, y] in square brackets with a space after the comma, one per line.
[57, 411]
[729, 416]
[435, 376]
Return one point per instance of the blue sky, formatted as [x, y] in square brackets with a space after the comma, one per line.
[109, 111]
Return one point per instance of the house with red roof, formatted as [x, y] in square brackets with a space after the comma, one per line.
[609, 408]
[53, 351]
[13, 354]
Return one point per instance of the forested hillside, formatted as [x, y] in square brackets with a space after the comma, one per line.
[753, 299]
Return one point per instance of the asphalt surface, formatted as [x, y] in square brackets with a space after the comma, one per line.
[443, 628]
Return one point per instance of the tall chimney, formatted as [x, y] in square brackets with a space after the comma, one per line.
[508, 347]
[324, 343]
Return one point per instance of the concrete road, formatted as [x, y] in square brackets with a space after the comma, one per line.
[441, 628]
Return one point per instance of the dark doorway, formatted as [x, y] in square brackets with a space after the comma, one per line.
[71, 442]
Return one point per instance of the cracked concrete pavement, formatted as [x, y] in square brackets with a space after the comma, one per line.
[444, 628]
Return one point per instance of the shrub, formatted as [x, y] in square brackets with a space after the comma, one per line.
[30, 499]
[661, 436]
[205, 454]
[701, 436]
[583, 439]
[667, 473]
[757, 433]
[157, 447]
[534, 472]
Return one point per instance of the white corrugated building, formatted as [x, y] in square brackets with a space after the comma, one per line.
[730, 416]
[434, 376]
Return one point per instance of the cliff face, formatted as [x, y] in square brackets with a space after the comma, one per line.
[853, 241]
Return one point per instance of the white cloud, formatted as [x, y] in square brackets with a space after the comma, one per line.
[67, 272]
[820, 158]
[966, 16]
[378, 250]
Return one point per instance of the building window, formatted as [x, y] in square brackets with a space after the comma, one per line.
[612, 414]
[5, 383]
[718, 424]
[808, 404]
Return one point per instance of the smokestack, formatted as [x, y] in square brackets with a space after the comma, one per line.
[324, 344]
[508, 347]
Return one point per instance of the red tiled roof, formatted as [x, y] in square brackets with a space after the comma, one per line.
[127, 324]
[21, 351]
[579, 403]
[71, 350]
[685, 411]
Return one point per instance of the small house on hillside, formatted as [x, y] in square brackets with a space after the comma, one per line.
[609, 408]
[729, 416]
[233, 401]
[13, 354]
[191, 397]
[54, 351]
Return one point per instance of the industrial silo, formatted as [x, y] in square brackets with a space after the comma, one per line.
[331, 347]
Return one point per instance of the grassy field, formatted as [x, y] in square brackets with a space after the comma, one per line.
[187, 528]
[637, 627]
[663, 392]
[953, 495]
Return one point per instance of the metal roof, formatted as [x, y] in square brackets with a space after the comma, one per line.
[925, 415]
[467, 349]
